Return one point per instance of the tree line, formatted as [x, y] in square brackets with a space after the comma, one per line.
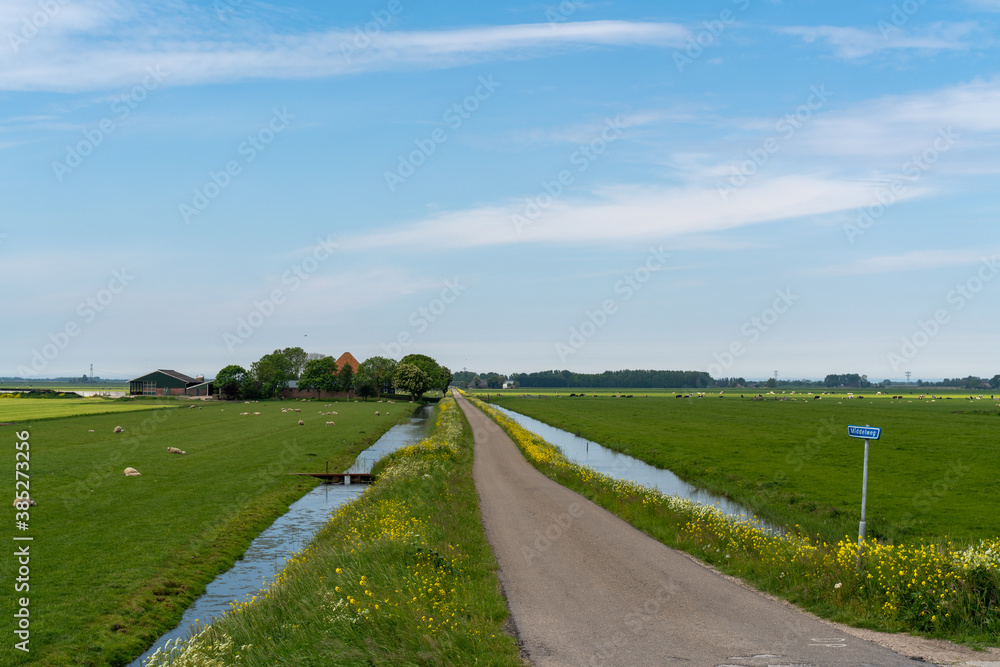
[272, 374]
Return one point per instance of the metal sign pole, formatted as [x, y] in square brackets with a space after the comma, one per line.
[868, 433]
[864, 500]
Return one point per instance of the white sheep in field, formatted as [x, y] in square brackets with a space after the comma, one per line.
[331, 424]
[132, 472]
[298, 410]
[301, 423]
[119, 429]
[24, 501]
[256, 414]
[174, 450]
[376, 413]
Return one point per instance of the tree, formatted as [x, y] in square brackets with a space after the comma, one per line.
[995, 382]
[319, 374]
[412, 379]
[378, 371]
[446, 378]
[271, 374]
[771, 383]
[230, 380]
[345, 378]
[363, 386]
[427, 365]
[297, 359]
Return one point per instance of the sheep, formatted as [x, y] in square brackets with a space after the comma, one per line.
[132, 472]
[174, 450]
[331, 423]
[256, 414]
[376, 413]
[20, 503]
[301, 423]
[119, 429]
[90, 431]
[298, 410]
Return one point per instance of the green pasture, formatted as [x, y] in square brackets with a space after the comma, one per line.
[31, 409]
[795, 392]
[935, 473]
[115, 559]
[57, 385]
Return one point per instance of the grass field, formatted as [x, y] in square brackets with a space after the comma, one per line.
[33, 409]
[55, 385]
[115, 559]
[934, 473]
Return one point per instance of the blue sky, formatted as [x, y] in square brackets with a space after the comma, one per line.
[740, 187]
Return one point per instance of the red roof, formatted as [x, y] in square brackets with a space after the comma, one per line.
[348, 358]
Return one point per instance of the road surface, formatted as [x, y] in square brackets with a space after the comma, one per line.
[586, 588]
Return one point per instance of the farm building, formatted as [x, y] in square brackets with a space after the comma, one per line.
[348, 358]
[169, 383]
[293, 390]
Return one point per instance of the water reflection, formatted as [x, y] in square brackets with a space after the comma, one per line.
[622, 466]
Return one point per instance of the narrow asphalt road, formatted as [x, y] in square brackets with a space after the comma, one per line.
[586, 588]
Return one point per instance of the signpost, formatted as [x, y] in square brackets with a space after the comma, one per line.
[867, 433]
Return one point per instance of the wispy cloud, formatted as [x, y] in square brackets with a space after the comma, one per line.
[897, 125]
[624, 214]
[78, 64]
[853, 43]
[917, 260]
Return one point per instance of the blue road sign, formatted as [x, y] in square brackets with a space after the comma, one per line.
[866, 432]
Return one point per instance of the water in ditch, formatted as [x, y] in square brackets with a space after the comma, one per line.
[622, 466]
[291, 532]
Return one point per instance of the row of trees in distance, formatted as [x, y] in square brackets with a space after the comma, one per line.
[270, 375]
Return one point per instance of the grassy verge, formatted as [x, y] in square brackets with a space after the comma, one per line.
[933, 589]
[115, 559]
[932, 475]
[401, 576]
